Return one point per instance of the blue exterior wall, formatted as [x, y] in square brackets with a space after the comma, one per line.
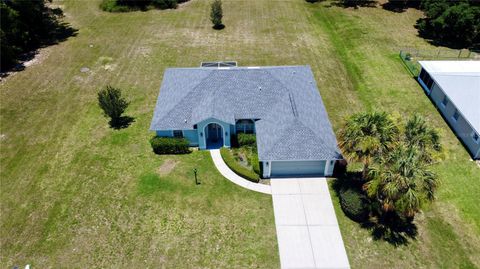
[192, 136]
[197, 136]
[227, 130]
[164, 133]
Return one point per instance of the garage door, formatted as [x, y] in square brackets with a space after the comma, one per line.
[298, 168]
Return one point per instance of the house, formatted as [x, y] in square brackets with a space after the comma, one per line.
[454, 87]
[280, 104]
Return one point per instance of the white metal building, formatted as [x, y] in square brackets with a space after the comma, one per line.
[454, 87]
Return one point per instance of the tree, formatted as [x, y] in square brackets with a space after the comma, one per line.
[401, 182]
[367, 136]
[113, 105]
[216, 14]
[418, 134]
[25, 26]
[454, 23]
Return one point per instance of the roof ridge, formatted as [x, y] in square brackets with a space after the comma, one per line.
[188, 94]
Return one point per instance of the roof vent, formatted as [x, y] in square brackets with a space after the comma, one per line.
[185, 120]
[293, 72]
[259, 88]
[219, 64]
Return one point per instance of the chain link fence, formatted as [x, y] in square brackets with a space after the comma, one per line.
[410, 57]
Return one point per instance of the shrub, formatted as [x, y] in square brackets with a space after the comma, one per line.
[354, 204]
[246, 140]
[216, 14]
[236, 167]
[169, 145]
[255, 163]
[113, 105]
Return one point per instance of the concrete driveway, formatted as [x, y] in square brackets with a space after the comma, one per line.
[307, 229]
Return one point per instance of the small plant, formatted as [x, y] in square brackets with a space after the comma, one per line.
[246, 140]
[354, 204]
[169, 145]
[113, 105]
[216, 15]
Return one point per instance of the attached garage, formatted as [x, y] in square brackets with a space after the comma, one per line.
[297, 168]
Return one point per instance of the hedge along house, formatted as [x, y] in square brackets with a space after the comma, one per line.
[280, 104]
[454, 87]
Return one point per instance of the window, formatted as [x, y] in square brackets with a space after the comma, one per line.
[475, 137]
[456, 115]
[177, 133]
[427, 80]
[445, 101]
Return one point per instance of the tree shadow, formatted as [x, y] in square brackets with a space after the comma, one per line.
[391, 228]
[355, 3]
[219, 26]
[400, 6]
[56, 31]
[121, 123]
[388, 226]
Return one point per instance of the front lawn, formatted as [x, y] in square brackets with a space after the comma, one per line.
[73, 191]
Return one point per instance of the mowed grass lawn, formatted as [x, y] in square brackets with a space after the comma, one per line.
[77, 194]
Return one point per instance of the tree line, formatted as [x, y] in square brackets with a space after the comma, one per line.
[27, 25]
[450, 23]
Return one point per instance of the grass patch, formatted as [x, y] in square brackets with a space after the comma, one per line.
[151, 183]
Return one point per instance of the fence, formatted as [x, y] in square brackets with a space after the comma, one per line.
[410, 57]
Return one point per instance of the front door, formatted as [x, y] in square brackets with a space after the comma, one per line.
[214, 132]
[214, 137]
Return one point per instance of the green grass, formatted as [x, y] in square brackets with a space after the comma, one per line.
[75, 192]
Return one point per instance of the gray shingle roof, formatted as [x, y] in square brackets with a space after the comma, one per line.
[293, 122]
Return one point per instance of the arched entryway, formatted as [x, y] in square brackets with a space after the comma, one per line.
[214, 136]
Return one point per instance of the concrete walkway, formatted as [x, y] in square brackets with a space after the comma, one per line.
[230, 175]
[307, 230]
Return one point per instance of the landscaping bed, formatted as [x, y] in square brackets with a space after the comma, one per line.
[243, 161]
[242, 158]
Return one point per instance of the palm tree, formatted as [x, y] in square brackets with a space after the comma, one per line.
[366, 136]
[419, 134]
[401, 181]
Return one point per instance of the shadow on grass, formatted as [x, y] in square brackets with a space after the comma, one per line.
[389, 226]
[400, 6]
[121, 123]
[219, 26]
[56, 31]
[355, 3]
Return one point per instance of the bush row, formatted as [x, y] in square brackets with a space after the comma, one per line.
[246, 140]
[169, 145]
[236, 167]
